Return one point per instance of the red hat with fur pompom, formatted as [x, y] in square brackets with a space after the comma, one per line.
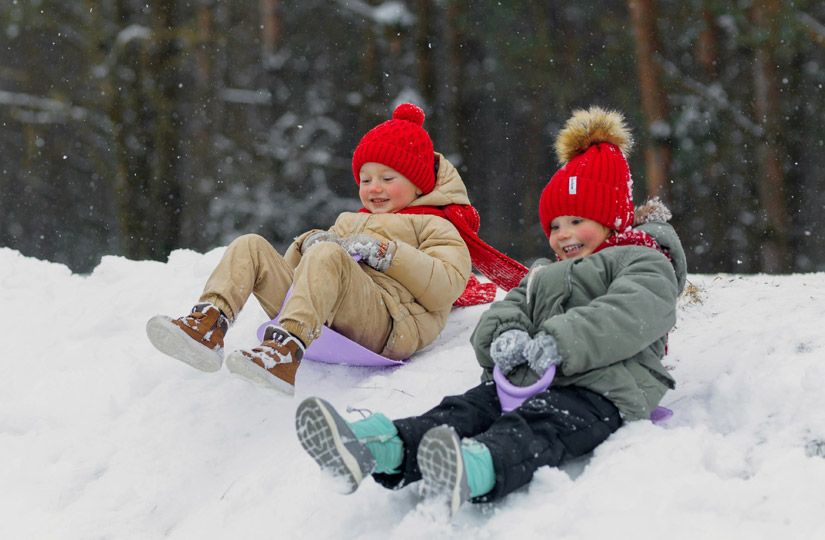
[594, 181]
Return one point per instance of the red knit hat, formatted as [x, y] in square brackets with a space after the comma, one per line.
[402, 144]
[594, 181]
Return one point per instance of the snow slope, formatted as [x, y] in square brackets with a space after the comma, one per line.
[101, 436]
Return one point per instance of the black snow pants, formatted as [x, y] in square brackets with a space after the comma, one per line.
[555, 425]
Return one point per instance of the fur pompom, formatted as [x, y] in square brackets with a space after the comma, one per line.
[591, 126]
[652, 211]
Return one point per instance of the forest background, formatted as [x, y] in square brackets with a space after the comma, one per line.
[137, 127]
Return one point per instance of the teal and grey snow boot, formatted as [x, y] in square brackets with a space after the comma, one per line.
[330, 441]
[379, 435]
[458, 469]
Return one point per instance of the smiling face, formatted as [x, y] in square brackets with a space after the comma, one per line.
[572, 237]
[384, 190]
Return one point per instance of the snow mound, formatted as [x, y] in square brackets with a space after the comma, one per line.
[102, 436]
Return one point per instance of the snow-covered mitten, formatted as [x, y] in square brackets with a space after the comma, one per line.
[372, 251]
[541, 352]
[320, 236]
[506, 350]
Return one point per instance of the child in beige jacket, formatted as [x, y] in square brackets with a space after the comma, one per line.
[385, 277]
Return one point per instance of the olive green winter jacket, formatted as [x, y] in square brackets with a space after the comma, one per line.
[609, 312]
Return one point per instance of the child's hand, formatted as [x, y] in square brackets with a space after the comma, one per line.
[371, 251]
[320, 236]
[541, 352]
[506, 350]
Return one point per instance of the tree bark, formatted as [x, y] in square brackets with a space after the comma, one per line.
[167, 200]
[145, 110]
[270, 28]
[452, 89]
[536, 142]
[707, 47]
[654, 99]
[125, 109]
[716, 218]
[776, 255]
[424, 51]
[204, 53]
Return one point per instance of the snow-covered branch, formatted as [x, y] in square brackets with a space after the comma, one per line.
[39, 110]
[714, 93]
[815, 28]
[387, 13]
[246, 97]
[131, 33]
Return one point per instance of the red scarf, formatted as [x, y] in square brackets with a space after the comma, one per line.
[631, 237]
[496, 266]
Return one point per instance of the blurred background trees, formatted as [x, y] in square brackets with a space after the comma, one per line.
[137, 127]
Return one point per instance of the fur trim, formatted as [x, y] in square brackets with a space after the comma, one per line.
[591, 126]
[534, 268]
[652, 211]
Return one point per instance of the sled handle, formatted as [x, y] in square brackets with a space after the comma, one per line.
[512, 396]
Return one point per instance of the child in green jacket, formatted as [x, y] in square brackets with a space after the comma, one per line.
[599, 317]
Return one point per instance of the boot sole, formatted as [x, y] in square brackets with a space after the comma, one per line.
[174, 342]
[442, 467]
[328, 440]
[242, 366]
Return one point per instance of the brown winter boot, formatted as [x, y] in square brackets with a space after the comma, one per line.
[196, 339]
[273, 363]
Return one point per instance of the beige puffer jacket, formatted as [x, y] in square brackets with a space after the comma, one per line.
[430, 267]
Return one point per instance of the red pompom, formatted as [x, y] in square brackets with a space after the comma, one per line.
[410, 113]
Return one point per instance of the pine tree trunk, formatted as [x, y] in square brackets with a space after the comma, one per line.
[535, 141]
[716, 218]
[205, 121]
[707, 46]
[126, 109]
[775, 247]
[167, 200]
[145, 111]
[654, 99]
[270, 28]
[452, 96]
[424, 51]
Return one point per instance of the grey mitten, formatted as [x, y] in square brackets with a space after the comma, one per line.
[506, 350]
[371, 251]
[541, 352]
[317, 237]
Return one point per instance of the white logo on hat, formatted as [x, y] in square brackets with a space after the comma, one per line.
[571, 185]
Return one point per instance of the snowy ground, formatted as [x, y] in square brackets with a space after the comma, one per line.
[103, 437]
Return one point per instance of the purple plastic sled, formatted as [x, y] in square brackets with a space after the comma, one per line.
[512, 396]
[660, 414]
[334, 348]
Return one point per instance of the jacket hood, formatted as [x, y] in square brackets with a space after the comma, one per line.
[652, 217]
[449, 187]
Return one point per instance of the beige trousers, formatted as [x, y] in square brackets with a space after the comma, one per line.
[328, 287]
